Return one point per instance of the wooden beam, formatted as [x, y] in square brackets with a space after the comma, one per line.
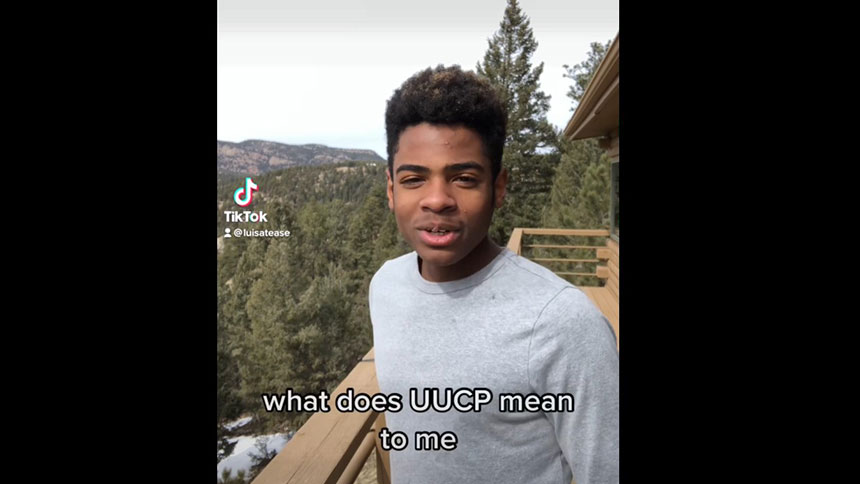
[612, 285]
[616, 272]
[383, 462]
[350, 473]
[553, 246]
[608, 303]
[614, 148]
[603, 272]
[567, 232]
[597, 121]
[516, 241]
[613, 245]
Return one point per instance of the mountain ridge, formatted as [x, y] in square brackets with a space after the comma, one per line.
[255, 157]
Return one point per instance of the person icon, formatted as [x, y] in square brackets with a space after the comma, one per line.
[227, 233]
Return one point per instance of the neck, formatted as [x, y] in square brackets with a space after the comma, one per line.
[474, 261]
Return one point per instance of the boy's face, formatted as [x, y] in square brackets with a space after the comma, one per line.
[441, 194]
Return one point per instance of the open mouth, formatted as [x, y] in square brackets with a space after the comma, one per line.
[438, 237]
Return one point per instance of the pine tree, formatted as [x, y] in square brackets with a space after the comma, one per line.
[265, 362]
[364, 229]
[233, 319]
[582, 73]
[580, 193]
[531, 142]
[261, 458]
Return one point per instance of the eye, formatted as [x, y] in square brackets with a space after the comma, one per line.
[411, 182]
[466, 180]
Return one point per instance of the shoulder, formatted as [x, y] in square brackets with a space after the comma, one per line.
[534, 281]
[564, 297]
[571, 316]
[393, 270]
[560, 308]
[571, 339]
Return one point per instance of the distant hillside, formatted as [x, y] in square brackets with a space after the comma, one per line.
[255, 157]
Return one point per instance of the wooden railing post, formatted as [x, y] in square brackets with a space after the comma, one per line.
[383, 464]
[515, 243]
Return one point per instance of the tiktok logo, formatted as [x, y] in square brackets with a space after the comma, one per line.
[242, 196]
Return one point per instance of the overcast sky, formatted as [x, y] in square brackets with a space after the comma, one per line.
[321, 71]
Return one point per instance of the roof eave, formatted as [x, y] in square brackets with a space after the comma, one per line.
[597, 112]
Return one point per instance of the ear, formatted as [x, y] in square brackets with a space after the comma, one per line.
[500, 186]
[390, 190]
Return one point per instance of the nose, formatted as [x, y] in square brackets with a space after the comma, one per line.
[437, 197]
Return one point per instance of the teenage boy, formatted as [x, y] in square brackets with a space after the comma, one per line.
[462, 312]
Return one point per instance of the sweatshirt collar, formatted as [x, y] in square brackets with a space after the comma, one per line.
[423, 285]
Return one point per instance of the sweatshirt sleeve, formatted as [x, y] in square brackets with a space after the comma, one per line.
[573, 350]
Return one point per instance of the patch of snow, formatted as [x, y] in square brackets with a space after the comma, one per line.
[245, 448]
[238, 423]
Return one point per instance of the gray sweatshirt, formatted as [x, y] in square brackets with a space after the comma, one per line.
[513, 327]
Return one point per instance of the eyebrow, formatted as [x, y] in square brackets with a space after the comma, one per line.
[469, 165]
[415, 168]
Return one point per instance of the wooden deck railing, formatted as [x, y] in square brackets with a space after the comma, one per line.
[332, 447]
[601, 252]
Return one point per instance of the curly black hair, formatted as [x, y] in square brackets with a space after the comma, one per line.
[448, 96]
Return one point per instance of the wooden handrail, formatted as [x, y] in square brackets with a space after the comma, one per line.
[556, 246]
[569, 232]
[331, 447]
[515, 244]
